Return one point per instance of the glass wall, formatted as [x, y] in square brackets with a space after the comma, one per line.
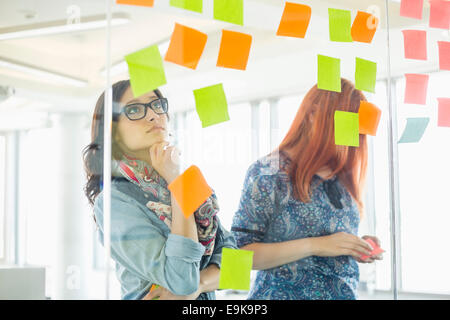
[56, 60]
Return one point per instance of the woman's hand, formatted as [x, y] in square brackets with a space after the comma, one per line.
[340, 244]
[165, 294]
[372, 258]
[165, 160]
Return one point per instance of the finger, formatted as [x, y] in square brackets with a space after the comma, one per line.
[153, 153]
[360, 249]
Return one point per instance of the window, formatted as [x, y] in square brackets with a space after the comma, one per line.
[222, 152]
[2, 195]
[424, 191]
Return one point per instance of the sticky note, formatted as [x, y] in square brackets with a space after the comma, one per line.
[346, 129]
[192, 5]
[235, 269]
[365, 75]
[340, 23]
[295, 20]
[186, 46]
[146, 70]
[231, 11]
[415, 43]
[369, 118]
[364, 27]
[444, 55]
[234, 50]
[211, 105]
[190, 190]
[416, 88]
[144, 3]
[411, 8]
[154, 286]
[329, 73]
[440, 14]
[415, 128]
[444, 112]
[376, 249]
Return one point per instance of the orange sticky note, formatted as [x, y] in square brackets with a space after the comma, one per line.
[369, 118]
[144, 3]
[444, 112]
[440, 14]
[186, 46]
[364, 27]
[415, 42]
[411, 9]
[234, 50]
[295, 20]
[416, 88]
[444, 55]
[190, 190]
[376, 249]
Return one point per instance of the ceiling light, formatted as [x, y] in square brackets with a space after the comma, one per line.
[41, 73]
[61, 26]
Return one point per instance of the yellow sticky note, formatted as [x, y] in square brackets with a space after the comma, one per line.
[235, 269]
[346, 128]
[146, 70]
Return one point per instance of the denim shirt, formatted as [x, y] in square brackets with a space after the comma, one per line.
[146, 252]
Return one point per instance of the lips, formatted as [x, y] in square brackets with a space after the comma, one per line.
[155, 128]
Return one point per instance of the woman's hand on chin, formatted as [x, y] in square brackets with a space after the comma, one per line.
[165, 160]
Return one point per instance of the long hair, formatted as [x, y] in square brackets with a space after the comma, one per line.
[93, 152]
[311, 143]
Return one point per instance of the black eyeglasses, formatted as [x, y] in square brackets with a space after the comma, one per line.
[137, 111]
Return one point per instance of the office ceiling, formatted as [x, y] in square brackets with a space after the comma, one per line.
[277, 65]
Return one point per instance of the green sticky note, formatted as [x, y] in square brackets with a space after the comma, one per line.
[229, 11]
[192, 5]
[211, 105]
[329, 73]
[415, 128]
[340, 24]
[365, 75]
[346, 128]
[146, 70]
[235, 269]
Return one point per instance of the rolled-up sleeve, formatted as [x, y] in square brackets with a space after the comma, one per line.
[141, 247]
[256, 207]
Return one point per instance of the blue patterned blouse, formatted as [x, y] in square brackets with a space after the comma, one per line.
[269, 213]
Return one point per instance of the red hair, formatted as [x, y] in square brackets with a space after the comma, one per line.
[311, 146]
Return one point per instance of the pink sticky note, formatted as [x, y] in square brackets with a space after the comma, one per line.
[444, 112]
[415, 44]
[444, 55]
[376, 249]
[411, 8]
[416, 88]
[440, 14]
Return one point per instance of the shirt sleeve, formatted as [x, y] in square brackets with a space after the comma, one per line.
[141, 247]
[256, 207]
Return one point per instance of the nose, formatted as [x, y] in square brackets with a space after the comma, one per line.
[151, 115]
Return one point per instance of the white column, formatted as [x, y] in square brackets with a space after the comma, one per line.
[74, 222]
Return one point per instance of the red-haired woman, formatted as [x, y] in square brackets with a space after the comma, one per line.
[301, 206]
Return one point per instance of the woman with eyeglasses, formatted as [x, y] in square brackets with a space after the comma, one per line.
[152, 242]
[301, 206]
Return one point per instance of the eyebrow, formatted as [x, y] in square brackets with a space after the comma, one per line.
[137, 101]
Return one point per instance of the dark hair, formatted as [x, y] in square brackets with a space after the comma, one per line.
[93, 152]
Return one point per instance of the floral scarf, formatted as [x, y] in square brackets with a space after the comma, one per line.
[144, 176]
